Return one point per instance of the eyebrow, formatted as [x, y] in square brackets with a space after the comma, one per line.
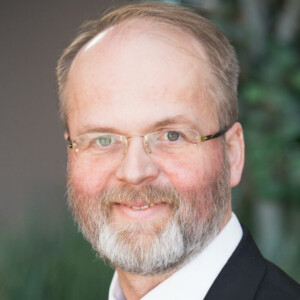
[179, 119]
[95, 129]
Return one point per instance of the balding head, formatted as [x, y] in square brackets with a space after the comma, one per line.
[223, 66]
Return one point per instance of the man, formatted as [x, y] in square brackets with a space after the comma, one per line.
[148, 96]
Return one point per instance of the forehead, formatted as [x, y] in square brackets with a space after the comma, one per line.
[140, 65]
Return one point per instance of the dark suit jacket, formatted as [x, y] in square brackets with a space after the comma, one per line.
[247, 275]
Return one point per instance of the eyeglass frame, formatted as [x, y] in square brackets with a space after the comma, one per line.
[147, 148]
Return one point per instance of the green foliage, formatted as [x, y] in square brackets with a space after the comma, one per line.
[270, 114]
[50, 263]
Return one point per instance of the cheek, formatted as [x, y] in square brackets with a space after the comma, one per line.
[87, 179]
[195, 172]
[184, 175]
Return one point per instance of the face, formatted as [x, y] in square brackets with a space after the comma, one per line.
[133, 82]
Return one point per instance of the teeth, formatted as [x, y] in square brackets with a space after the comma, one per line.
[142, 207]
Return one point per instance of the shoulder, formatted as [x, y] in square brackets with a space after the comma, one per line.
[277, 285]
[248, 275]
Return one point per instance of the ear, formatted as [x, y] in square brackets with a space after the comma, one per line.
[236, 152]
[66, 136]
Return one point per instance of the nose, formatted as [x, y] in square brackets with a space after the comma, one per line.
[136, 167]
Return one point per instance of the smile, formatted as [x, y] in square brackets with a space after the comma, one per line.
[138, 206]
[140, 211]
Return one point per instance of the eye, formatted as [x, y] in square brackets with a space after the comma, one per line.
[105, 140]
[172, 135]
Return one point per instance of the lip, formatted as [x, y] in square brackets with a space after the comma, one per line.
[137, 205]
[132, 212]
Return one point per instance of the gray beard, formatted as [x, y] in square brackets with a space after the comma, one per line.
[149, 249]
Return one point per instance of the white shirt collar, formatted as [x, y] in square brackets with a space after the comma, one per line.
[196, 277]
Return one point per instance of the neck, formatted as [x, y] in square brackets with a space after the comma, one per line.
[135, 286]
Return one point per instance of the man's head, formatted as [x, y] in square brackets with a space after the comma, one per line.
[138, 89]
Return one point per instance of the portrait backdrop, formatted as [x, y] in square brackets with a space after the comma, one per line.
[42, 256]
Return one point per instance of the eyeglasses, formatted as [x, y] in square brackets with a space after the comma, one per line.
[91, 148]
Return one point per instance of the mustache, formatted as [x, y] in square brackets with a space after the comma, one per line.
[147, 194]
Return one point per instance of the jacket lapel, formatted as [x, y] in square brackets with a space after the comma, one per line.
[242, 274]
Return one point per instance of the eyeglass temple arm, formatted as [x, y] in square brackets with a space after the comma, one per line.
[69, 143]
[212, 136]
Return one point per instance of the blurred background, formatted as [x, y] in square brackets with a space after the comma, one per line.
[42, 256]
